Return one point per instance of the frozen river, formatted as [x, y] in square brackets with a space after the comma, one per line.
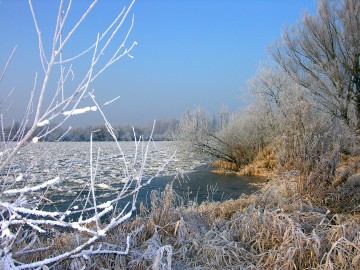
[72, 163]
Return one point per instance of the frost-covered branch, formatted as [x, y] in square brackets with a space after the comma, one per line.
[26, 214]
[30, 189]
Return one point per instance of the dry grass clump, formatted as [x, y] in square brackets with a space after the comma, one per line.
[264, 164]
[223, 166]
[39, 247]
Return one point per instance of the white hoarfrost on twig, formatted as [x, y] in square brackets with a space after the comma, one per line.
[12, 208]
[43, 123]
[20, 177]
[110, 101]
[80, 111]
[29, 189]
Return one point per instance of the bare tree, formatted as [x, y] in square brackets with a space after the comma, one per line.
[243, 136]
[283, 103]
[322, 54]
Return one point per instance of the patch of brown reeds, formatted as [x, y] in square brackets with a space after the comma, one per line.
[223, 167]
[333, 186]
[264, 164]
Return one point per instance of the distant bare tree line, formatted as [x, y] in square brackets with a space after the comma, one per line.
[163, 131]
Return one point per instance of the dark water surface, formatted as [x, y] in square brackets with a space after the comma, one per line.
[204, 185]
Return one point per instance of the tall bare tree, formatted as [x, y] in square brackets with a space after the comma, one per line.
[322, 53]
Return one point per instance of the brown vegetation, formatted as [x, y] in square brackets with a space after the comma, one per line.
[265, 164]
[281, 226]
[222, 166]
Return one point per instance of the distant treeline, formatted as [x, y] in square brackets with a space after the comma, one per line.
[164, 130]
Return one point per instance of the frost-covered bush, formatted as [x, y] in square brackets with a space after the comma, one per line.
[234, 139]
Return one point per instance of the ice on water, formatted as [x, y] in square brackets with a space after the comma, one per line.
[70, 161]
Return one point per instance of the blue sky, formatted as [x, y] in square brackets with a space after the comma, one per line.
[190, 53]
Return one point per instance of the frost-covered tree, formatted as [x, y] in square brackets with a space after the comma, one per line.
[322, 54]
[235, 139]
[193, 131]
[305, 137]
[223, 118]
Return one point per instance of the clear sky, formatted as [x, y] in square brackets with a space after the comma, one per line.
[190, 53]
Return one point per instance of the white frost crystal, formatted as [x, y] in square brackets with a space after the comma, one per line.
[20, 177]
[80, 110]
[43, 123]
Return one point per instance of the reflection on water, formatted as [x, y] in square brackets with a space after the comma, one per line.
[204, 185]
